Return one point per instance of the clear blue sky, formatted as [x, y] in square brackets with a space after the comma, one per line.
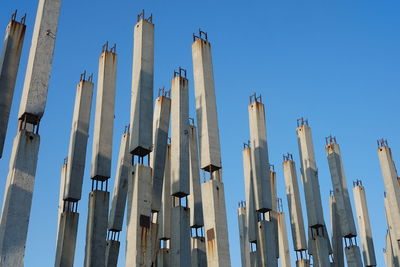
[336, 63]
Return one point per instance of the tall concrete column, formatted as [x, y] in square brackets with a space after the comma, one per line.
[391, 230]
[284, 253]
[22, 167]
[337, 241]
[364, 225]
[263, 187]
[392, 188]
[215, 224]
[243, 238]
[342, 202]
[9, 63]
[251, 216]
[295, 209]
[318, 240]
[388, 252]
[96, 228]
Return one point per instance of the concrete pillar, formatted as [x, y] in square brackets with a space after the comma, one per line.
[138, 237]
[206, 106]
[18, 198]
[284, 254]
[274, 211]
[62, 186]
[294, 204]
[391, 231]
[78, 139]
[388, 252]
[318, 243]
[353, 256]
[392, 188]
[337, 241]
[104, 117]
[9, 63]
[251, 217]
[112, 251]
[303, 263]
[164, 258]
[215, 225]
[96, 228]
[364, 225]
[198, 257]
[340, 190]
[267, 250]
[244, 240]
[253, 259]
[34, 93]
[162, 114]
[180, 237]
[66, 239]
[142, 87]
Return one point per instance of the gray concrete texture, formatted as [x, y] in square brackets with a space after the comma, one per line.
[337, 240]
[259, 158]
[267, 251]
[392, 230]
[34, 93]
[180, 185]
[320, 251]
[180, 251]
[353, 256]
[96, 228]
[303, 263]
[340, 190]
[364, 226]
[17, 200]
[164, 258]
[206, 107]
[161, 119]
[9, 64]
[142, 89]
[198, 254]
[138, 236]
[63, 177]
[194, 198]
[251, 217]
[166, 206]
[104, 117]
[215, 225]
[112, 252]
[78, 141]
[309, 176]
[243, 238]
[284, 253]
[66, 239]
[295, 206]
[117, 210]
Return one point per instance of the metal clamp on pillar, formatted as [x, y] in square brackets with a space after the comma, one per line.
[141, 16]
[202, 36]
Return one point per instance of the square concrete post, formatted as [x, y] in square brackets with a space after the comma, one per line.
[104, 117]
[337, 241]
[138, 236]
[388, 252]
[180, 237]
[166, 204]
[340, 190]
[18, 198]
[391, 231]
[364, 225]
[78, 139]
[198, 257]
[251, 216]
[96, 229]
[66, 239]
[162, 114]
[267, 250]
[142, 87]
[112, 252]
[294, 204]
[164, 258]
[303, 263]
[62, 186]
[9, 63]
[34, 93]
[353, 256]
[244, 240]
[284, 254]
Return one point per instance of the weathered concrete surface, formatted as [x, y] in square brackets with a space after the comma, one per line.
[216, 229]
[180, 237]
[353, 256]
[251, 217]
[274, 212]
[392, 189]
[104, 117]
[340, 190]
[165, 213]
[259, 158]
[267, 251]
[60, 198]
[206, 107]
[253, 259]
[164, 258]
[284, 253]
[66, 239]
[388, 252]
[364, 226]
[303, 263]
[112, 252]
[34, 94]
[142, 88]
[180, 137]
[138, 236]
[337, 240]
[294, 204]
[120, 191]
[18, 198]
[9, 63]
[96, 228]
[243, 238]
[162, 112]
[155, 244]
[198, 255]
[391, 231]
[194, 199]
[321, 251]
[78, 141]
